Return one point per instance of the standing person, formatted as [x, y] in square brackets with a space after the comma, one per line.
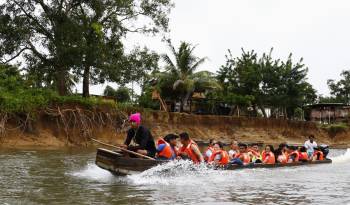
[166, 148]
[189, 149]
[234, 149]
[219, 156]
[310, 146]
[210, 150]
[140, 137]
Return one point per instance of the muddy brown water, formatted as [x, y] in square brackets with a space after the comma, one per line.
[30, 176]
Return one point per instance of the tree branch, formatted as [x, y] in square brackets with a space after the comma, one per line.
[15, 56]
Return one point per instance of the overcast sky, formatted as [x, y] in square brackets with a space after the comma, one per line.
[316, 30]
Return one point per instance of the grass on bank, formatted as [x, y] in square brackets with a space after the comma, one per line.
[25, 101]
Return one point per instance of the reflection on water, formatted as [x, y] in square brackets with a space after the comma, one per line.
[70, 177]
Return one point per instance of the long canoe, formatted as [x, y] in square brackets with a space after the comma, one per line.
[118, 164]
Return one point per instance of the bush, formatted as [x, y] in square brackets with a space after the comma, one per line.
[334, 129]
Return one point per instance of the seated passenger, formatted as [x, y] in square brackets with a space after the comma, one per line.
[234, 149]
[189, 149]
[303, 156]
[281, 154]
[268, 157]
[166, 148]
[254, 154]
[219, 156]
[241, 158]
[209, 151]
[318, 154]
[293, 155]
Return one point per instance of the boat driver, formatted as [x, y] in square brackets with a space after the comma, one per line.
[139, 139]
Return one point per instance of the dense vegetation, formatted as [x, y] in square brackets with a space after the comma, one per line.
[61, 43]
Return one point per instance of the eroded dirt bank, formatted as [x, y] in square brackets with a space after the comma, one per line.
[52, 131]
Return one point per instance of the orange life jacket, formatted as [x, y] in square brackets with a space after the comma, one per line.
[224, 157]
[318, 154]
[206, 158]
[189, 152]
[167, 152]
[303, 156]
[296, 153]
[283, 158]
[246, 158]
[270, 158]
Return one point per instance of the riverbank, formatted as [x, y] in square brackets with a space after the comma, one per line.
[71, 127]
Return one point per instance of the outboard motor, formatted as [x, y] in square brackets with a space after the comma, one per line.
[325, 149]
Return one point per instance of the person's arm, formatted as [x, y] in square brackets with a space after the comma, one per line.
[197, 152]
[129, 137]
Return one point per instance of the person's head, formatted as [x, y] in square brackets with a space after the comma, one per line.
[291, 148]
[218, 146]
[242, 147]
[255, 147]
[135, 120]
[282, 147]
[302, 149]
[269, 148]
[234, 145]
[184, 138]
[311, 138]
[171, 139]
[212, 142]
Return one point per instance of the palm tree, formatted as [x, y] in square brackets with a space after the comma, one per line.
[183, 68]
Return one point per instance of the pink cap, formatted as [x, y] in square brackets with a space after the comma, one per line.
[135, 118]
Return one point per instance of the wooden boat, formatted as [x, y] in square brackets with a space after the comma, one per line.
[117, 164]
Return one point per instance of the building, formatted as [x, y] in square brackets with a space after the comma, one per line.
[327, 112]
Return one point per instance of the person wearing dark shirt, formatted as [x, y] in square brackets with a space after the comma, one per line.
[139, 139]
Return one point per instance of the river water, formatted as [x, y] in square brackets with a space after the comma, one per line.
[71, 177]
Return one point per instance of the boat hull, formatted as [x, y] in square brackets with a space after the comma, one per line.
[117, 164]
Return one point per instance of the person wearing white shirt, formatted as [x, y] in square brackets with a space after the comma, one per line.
[310, 146]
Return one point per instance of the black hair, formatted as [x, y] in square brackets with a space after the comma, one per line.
[170, 137]
[312, 136]
[211, 141]
[302, 149]
[243, 145]
[292, 147]
[271, 148]
[184, 136]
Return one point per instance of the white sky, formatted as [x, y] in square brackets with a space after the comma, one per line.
[317, 30]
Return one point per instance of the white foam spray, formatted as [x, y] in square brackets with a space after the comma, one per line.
[183, 173]
[342, 158]
[93, 172]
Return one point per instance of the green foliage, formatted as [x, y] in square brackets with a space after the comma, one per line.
[146, 101]
[122, 94]
[268, 82]
[340, 91]
[61, 40]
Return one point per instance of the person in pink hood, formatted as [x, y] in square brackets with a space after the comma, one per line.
[139, 139]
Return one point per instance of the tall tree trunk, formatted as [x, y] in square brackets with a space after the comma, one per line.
[61, 82]
[86, 82]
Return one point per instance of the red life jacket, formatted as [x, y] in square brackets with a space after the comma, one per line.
[303, 156]
[189, 152]
[268, 158]
[246, 158]
[318, 154]
[206, 158]
[167, 152]
[296, 154]
[224, 157]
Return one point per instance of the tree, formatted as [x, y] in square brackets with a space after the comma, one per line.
[181, 69]
[266, 82]
[84, 38]
[340, 90]
[122, 94]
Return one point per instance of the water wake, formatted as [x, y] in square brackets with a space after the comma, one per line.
[93, 172]
[182, 173]
[342, 158]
